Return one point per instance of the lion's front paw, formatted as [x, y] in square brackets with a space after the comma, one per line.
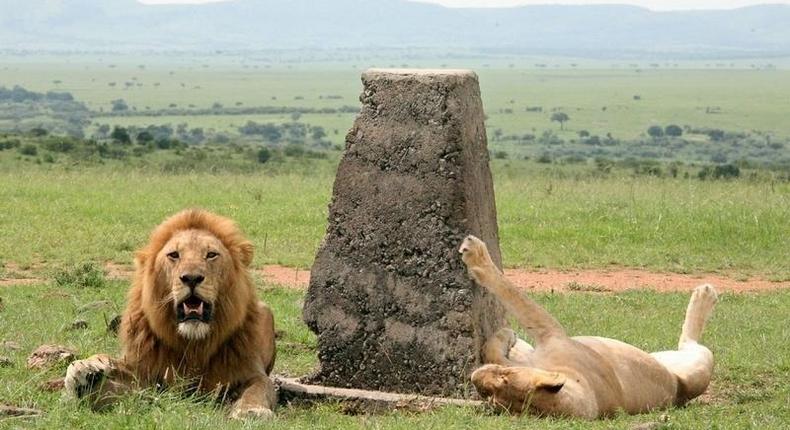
[256, 413]
[85, 377]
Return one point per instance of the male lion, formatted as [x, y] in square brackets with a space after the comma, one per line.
[587, 377]
[191, 316]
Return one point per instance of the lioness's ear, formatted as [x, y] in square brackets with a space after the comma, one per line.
[549, 381]
[246, 252]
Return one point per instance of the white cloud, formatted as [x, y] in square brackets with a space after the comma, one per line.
[179, 1]
[650, 4]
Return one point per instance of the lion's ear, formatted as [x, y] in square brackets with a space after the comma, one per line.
[140, 258]
[246, 253]
[549, 381]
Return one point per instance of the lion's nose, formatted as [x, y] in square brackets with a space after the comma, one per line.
[192, 280]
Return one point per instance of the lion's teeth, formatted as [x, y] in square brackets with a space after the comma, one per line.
[200, 309]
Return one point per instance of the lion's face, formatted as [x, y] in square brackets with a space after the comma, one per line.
[514, 388]
[192, 281]
[195, 265]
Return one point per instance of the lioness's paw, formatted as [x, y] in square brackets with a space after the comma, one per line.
[84, 377]
[474, 252]
[256, 413]
[706, 293]
[508, 337]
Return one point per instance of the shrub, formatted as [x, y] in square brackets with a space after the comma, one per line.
[119, 105]
[655, 131]
[294, 151]
[38, 132]
[28, 149]
[264, 154]
[85, 275]
[9, 144]
[722, 171]
[673, 130]
[59, 145]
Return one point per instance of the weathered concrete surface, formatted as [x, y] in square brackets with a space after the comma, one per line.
[389, 297]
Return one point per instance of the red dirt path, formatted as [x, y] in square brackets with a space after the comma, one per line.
[579, 280]
[544, 280]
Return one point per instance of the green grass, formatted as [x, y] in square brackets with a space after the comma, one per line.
[680, 96]
[747, 334]
[549, 217]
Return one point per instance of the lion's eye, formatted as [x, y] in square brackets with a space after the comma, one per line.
[211, 255]
[173, 255]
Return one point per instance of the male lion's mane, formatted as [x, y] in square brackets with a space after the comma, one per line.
[235, 350]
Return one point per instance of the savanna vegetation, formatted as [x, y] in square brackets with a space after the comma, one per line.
[675, 170]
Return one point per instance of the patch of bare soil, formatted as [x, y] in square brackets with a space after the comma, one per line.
[600, 281]
[13, 274]
[285, 276]
[579, 280]
[117, 271]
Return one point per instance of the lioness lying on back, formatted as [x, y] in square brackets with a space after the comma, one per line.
[588, 377]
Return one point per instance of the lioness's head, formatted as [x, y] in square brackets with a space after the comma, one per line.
[194, 275]
[516, 388]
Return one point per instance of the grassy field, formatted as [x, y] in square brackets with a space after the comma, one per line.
[63, 211]
[748, 335]
[598, 100]
[552, 217]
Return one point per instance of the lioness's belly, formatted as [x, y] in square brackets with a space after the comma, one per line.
[646, 383]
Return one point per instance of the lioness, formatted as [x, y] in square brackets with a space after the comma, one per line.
[587, 377]
[192, 316]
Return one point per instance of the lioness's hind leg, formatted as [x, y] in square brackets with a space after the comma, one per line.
[692, 363]
[700, 307]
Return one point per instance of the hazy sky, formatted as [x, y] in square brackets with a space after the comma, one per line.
[652, 4]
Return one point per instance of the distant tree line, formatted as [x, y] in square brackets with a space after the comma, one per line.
[18, 94]
[53, 111]
[121, 108]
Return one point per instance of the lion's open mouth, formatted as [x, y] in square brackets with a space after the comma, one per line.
[193, 309]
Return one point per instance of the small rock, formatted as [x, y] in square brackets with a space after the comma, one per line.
[114, 325]
[94, 305]
[79, 325]
[10, 345]
[6, 362]
[13, 411]
[647, 426]
[52, 385]
[46, 356]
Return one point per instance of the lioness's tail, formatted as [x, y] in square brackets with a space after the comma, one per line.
[703, 299]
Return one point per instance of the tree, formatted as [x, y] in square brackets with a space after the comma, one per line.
[145, 137]
[318, 132]
[560, 117]
[673, 130]
[121, 135]
[655, 131]
[264, 155]
[119, 105]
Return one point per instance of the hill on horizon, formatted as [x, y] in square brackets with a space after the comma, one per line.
[600, 31]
